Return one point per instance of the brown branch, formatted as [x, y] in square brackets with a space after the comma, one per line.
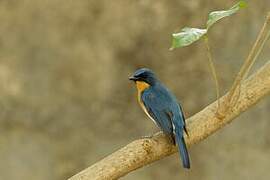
[145, 151]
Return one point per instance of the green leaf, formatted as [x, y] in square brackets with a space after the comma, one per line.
[217, 15]
[189, 35]
[186, 37]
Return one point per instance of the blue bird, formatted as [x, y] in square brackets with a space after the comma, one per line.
[162, 107]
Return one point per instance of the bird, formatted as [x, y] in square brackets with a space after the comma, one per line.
[162, 107]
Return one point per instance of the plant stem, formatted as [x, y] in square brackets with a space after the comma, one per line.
[255, 51]
[213, 70]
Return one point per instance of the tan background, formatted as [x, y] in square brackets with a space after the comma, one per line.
[66, 102]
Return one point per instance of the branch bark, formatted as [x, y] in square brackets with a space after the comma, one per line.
[144, 151]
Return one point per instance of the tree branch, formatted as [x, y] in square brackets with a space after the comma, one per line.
[144, 151]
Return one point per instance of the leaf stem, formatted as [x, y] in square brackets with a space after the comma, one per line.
[213, 70]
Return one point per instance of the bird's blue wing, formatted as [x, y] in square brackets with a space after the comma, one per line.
[162, 106]
[157, 103]
[183, 118]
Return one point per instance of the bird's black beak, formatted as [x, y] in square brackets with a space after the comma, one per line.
[132, 78]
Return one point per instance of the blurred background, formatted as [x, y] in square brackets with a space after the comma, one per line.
[65, 98]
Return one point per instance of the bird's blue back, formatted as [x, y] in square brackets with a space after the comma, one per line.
[163, 107]
[161, 104]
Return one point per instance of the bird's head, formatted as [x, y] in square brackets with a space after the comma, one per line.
[144, 75]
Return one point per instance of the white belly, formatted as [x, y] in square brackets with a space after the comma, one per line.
[145, 110]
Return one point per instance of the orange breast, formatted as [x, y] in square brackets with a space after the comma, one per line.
[141, 86]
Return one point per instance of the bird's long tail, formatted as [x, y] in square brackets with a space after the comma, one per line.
[182, 148]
